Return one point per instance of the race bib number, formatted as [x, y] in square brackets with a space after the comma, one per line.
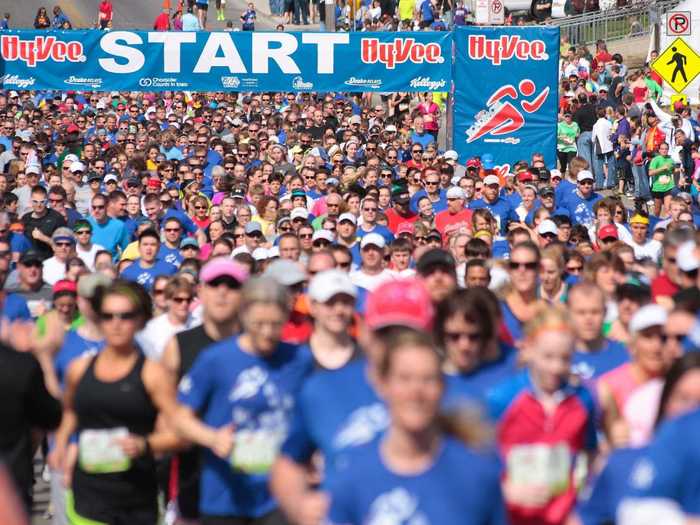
[100, 452]
[255, 450]
[540, 465]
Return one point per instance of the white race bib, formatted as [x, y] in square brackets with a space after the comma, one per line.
[255, 450]
[100, 452]
[541, 465]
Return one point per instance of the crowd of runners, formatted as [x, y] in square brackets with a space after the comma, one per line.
[269, 308]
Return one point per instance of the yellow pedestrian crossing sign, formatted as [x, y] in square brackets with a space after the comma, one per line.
[678, 65]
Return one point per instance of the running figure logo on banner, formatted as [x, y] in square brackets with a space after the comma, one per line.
[503, 118]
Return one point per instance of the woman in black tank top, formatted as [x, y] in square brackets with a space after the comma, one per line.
[111, 404]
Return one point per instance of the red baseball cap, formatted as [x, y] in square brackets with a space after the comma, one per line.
[405, 227]
[525, 176]
[473, 163]
[153, 183]
[65, 286]
[402, 302]
[608, 231]
[72, 128]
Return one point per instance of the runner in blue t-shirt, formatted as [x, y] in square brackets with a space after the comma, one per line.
[341, 409]
[414, 473]
[665, 482]
[500, 208]
[244, 389]
[594, 354]
[579, 204]
[146, 268]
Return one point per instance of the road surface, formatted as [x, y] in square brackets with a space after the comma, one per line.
[131, 14]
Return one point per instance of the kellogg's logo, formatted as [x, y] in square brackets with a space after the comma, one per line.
[16, 80]
[40, 49]
[506, 48]
[399, 51]
[427, 83]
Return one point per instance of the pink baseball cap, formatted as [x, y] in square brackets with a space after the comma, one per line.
[403, 302]
[220, 267]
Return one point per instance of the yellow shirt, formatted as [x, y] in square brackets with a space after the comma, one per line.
[406, 9]
[131, 252]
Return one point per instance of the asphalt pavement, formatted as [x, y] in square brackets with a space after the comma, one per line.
[128, 14]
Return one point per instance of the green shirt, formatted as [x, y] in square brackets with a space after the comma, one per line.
[663, 181]
[654, 88]
[566, 136]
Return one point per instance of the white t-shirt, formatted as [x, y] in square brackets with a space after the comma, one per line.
[370, 282]
[651, 249]
[54, 270]
[88, 256]
[156, 334]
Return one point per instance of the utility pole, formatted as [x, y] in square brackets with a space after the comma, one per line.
[329, 8]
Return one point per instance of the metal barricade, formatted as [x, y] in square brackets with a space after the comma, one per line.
[614, 23]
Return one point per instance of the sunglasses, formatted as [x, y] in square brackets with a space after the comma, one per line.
[182, 300]
[225, 280]
[83, 232]
[454, 337]
[121, 316]
[532, 265]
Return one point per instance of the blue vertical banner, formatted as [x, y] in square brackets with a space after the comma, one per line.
[506, 93]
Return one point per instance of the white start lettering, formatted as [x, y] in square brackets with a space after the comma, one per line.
[219, 51]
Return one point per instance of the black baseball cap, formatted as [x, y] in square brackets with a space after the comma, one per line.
[437, 257]
[31, 256]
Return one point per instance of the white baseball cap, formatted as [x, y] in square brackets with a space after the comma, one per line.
[260, 254]
[33, 168]
[76, 166]
[491, 179]
[326, 235]
[455, 192]
[547, 226]
[646, 317]
[450, 154]
[686, 258]
[584, 175]
[373, 239]
[299, 213]
[347, 216]
[327, 284]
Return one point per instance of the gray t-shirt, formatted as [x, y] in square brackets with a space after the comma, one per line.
[35, 299]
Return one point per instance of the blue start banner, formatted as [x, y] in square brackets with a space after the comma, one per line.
[506, 93]
[225, 61]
